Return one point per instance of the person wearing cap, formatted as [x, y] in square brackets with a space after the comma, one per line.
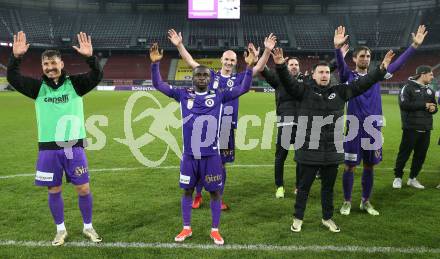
[417, 105]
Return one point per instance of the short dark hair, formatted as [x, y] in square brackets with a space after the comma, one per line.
[297, 59]
[359, 49]
[200, 67]
[50, 53]
[320, 63]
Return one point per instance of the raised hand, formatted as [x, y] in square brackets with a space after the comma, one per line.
[252, 48]
[174, 37]
[345, 48]
[419, 36]
[85, 45]
[155, 55]
[278, 56]
[387, 59]
[270, 42]
[20, 46]
[340, 37]
[250, 57]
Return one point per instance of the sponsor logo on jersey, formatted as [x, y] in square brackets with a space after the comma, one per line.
[62, 99]
[351, 157]
[80, 170]
[190, 104]
[213, 178]
[215, 85]
[44, 176]
[185, 179]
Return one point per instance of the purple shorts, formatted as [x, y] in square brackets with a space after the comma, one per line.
[228, 155]
[208, 170]
[52, 163]
[354, 152]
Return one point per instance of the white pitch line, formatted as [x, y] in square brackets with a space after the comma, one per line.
[117, 169]
[256, 247]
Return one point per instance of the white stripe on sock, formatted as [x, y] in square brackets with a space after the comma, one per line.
[88, 226]
[61, 227]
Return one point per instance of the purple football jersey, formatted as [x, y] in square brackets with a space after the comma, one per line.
[226, 82]
[201, 112]
[370, 102]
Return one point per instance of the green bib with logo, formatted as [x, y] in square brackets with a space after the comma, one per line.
[60, 113]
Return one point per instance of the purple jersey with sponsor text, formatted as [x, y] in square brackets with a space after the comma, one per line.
[226, 82]
[364, 105]
[201, 112]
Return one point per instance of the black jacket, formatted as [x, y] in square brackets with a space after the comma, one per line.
[323, 145]
[286, 105]
[82, 83]
[412, 101]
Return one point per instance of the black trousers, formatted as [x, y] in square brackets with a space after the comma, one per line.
[328, 179]
[281, 155]
[412, 140]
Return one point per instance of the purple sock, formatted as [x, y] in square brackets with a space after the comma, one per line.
[199, 187]
[367, 183]
[56, 205]
[85, 204]
[347, 184]
[224, 180]
[186, 204]
[216, 209]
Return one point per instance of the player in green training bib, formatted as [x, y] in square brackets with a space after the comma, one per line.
[60, 123]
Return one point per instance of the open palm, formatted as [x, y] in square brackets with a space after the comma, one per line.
[85, 45]
[419, 36]
[155, 54]
[340, 38]
[174, 37]
[20, 46]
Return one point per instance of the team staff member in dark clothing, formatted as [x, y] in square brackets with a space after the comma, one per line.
[321, 148]
[417, 105]
[286, 114]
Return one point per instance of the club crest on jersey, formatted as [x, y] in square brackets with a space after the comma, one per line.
[209, 102]
[190, 104]
[230, 83]
[332, 96]
[429, 91]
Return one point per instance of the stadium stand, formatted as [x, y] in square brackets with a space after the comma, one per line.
[253, 24]
[303, 32]
[213, 33]
[432, 20]
[154, 27]
[108, 31]
[308, 36]
[315, 32]
[386, 31]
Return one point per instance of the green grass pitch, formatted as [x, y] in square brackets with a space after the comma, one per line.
[142, 204]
